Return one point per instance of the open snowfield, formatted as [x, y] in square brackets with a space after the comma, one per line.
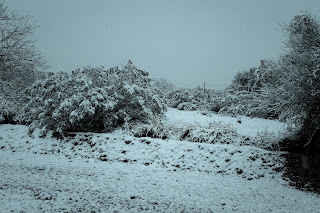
[120, 173]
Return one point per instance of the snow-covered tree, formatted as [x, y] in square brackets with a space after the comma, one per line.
[189, 99]
[298, 91]
[246, 81]
[268, 74]
[20, 62]
[163, 85]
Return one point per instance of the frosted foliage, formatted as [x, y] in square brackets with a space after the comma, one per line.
[251, 104]
[186, 106]
[294, 82]
[189, 99]
[92, 99]
[7, 110]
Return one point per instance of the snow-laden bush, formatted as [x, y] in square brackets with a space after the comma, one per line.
[189, 99]
[230, 102]
[215, 132]
[92, 99]
[155, 130]
[212, 133]
[7, 110]
[246, 81]
[217, 101]
[251, 104]
[178, 96]
[187, 106]
[163, 85]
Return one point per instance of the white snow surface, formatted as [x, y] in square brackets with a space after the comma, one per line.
[244, 125]
[120, 173]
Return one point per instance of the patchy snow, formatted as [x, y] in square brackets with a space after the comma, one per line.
[120, 173]
[244, 125]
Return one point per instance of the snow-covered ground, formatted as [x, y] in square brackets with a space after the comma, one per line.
[244, 125]
[120, 173]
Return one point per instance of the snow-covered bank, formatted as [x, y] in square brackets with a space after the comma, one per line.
[119, 173]
[244, 125]
[245, 161]
[34, 183]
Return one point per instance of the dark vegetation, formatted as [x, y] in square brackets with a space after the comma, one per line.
[303, 171]
[100, 100]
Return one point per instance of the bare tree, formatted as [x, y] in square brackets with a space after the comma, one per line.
[20, 62]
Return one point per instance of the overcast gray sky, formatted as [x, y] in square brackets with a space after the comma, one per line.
[185, 41]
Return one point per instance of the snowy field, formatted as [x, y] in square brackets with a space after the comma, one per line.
[245, 126]
[120, 173]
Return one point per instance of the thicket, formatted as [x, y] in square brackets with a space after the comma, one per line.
[243, 103]
[92, 99]
[248, 94]
[241, 100]
[189, 99]
[163, 86]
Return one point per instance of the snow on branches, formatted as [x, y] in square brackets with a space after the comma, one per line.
[92, 99]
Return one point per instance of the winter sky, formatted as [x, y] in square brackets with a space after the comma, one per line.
[185, 41]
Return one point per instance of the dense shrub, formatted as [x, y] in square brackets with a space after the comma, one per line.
[177, 97]
[189, 99]
[7, 111]
[237, 101]
[187, 106]
[217, 101]
[92, 99]
[246, 81]
[215, 132]
[230, 102]
[163, 85]
[251, 104]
